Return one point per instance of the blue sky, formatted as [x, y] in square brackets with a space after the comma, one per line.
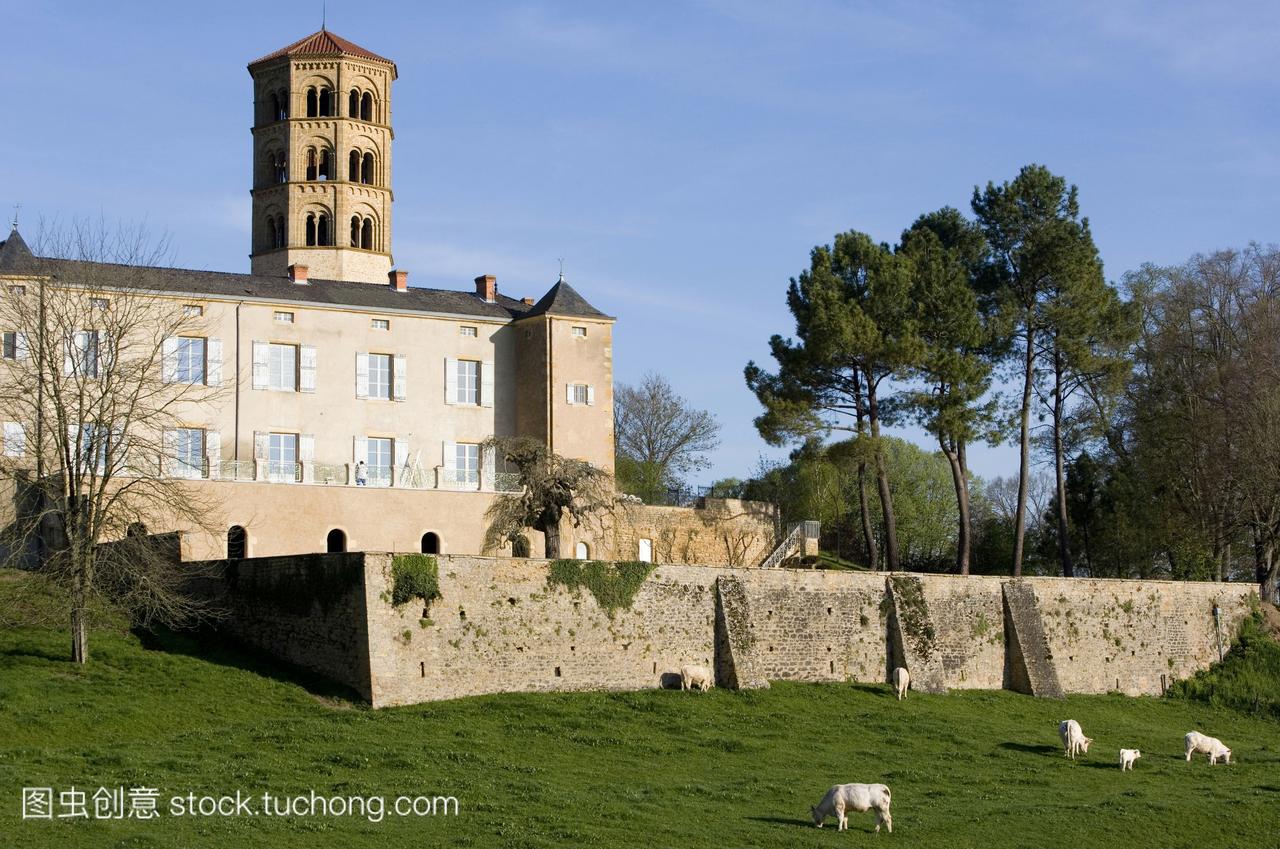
[682, 156]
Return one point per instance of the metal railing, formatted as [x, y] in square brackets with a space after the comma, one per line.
[237, 470]
[789, 543]
[284, 472]
[330, 474]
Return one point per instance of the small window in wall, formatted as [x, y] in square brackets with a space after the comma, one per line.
[380, 324]
[98, 303]
[467, 331]
[646, 551]
[430, 543]
[579, 393]
[284, 317]
[582, 551]
[10, 343]
[578, 331]
[336, 542]
[237, 543]
[192, 310]
[18, 290]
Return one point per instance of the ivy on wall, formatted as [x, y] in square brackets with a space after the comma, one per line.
[614, 585]
[414, 576]
[913, 614]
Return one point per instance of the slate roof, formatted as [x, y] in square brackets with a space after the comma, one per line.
[322, 43]
[14, 254]
[563, 299]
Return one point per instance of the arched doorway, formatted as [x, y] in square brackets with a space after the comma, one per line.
[582, 551]
[237, 543]
[336, 542]
[430, 543]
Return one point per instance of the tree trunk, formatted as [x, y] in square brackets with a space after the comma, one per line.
[882, 481]
[79, 621]
[551, 532]
[868, 532]
[962, 503]
[1059, 468]
[1024, 468]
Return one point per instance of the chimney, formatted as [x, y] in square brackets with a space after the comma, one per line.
[528, 302]
[487, 287]
[298, 273]
[399, 279]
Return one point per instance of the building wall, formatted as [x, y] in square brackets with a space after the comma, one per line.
[724, 532]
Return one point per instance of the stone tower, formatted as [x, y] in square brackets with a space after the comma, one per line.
[322, 160]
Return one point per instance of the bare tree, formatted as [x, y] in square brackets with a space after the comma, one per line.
[553, 488]
[91, 403]
[660, 436]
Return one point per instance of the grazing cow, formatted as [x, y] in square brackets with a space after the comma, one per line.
[1127, 757]
[901, 681]
[1211, 746]
[1073, 739]
[853, 797]
[696, 678]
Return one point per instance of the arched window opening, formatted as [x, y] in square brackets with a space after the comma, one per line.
[326, 165]
[273, 105]
[353, 166]
[237, 543]
[311, 163]
[311, 230]
[279, 169]
[281, 232]
[582, 551]
[366, 235]
[353, 104]
[282, 105]
[366, 107]
[336, 542]
[430, 543]
[273, 233]
[366, 169]
[313, 103]
[355, 231]
[324, 233]
[326, 103]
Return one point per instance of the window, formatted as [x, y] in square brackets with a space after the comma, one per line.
[282, 367]
[380, 324]
[335, 542]
[82, 358]
[379, 460]
[284, 317]
[467, 331]
[15, 440]
[582, 551]
[468, 469]
[430, 543]
[237, 543]
[578, 331]
[93, 446]
[98, 303]
[18, 290]
[192, 310]
[468, 382]
[380, 376]
[188, 452]
[579, 393]
[10, 345]
[282, 456]
[189, 362]
[646, 551]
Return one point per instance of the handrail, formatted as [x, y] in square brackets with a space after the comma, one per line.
[788, 544]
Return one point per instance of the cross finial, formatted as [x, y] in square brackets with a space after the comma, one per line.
[561, 269]
[16, 207]
[324, 15]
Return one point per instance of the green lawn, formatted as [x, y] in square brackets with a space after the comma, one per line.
[654, 769]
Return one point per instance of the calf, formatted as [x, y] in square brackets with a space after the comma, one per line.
[1073, 739]
[696, 678]
[1211, 746]
[901, 681]
[853, 797]
[1127, 757]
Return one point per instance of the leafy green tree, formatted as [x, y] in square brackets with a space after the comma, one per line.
[855, 329]
[1041, 254]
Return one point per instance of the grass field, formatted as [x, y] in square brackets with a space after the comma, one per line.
[654, 769]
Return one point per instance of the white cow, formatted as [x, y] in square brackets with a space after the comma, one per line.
[696, 678]
[901, 681]
[1073, 739]
[854, 797]
[1127, 757]
[1211, 746]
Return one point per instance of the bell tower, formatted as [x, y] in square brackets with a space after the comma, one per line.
[322, 160]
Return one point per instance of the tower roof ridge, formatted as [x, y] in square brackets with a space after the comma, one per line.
[323, 43]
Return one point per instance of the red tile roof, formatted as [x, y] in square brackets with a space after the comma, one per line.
[322, 43]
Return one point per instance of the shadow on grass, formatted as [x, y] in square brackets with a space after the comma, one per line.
[881, 690]
[29, 650]
[1032, 748]
[212, 647]
[784, 821]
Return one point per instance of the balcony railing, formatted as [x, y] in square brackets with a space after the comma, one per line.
[284, 472]
[344, 474]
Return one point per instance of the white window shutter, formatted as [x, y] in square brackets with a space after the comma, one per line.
[362, 375]
[261, 444]
[450, 380]
[213, 362]
[399, 452]
[591, 395]
[306, 368]
[307, 448]
[568, 393]
[488, 458]
[260, 368]
[486, 384]
[14, 440]
[106, 356]
[172, 467]
[20, 346]
[213, 451]
[360, 450]
[450, 461]
[398, 384]
[169, 360]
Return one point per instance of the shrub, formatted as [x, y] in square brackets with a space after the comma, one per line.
[414, 576]
[614, 585]
[1247, 679]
